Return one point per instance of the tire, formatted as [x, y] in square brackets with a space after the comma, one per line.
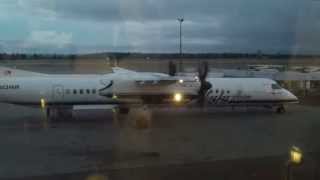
[281, 109]
[55, 114]
[124, 110]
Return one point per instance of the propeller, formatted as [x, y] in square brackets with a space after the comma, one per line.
[203, 70]
[204, 85]
[172, 69]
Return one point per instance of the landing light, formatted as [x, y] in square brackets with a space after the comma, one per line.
[177, 97]
[114, 96]
[181, 81]
[43, 103]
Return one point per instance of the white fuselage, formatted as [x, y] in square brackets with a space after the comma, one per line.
[55, 90]
[247, 91]
[101, 89]
[113, 88]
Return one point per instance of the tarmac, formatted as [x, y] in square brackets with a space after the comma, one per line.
[182, 143]
[95, 142]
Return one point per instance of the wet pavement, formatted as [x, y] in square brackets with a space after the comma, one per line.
[181, 143]
[31, 146]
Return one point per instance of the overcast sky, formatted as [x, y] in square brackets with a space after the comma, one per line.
[75, 26]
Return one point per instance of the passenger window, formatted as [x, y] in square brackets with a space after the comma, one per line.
[228, 91]
[88, 91]
[74, 91]
[81, 91]
[217, 91]
[93, 91]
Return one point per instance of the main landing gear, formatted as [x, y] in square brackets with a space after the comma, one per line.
[59, 114]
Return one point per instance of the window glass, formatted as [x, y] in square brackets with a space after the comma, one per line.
[211, 86]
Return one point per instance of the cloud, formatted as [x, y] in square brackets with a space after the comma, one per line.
[40, 41]
[151, 25]
[129, 10]
[49, 38]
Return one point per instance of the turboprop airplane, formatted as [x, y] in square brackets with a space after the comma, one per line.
[248, 92]
[241, 91]
[58, 94]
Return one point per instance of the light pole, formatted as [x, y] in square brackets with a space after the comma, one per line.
[180, 23]
[180, 45]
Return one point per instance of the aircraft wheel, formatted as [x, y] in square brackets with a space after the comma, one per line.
[281, 109]
[52, 114]
[48, 113]
[124, 110]
[268, 107]
[55, 114]
[65, 114]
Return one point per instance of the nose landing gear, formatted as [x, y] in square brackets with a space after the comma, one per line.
[280, 109]
[59, 114]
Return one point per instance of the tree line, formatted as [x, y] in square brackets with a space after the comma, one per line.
[111, 55]
[22, 56]
[197, 55]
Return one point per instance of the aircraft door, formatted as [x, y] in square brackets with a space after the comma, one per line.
[239, 91]
[57, 93]
[267, 87]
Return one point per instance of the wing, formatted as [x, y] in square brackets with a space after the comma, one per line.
[150, 87]
[123, 70]
[156, 81]
[151, 78]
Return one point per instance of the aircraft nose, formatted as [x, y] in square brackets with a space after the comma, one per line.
[291, 97]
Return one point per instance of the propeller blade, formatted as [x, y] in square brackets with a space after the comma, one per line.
[172, 69]
[204, 85]
[203, 71]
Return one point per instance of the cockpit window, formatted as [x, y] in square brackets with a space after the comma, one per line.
[275, 86]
